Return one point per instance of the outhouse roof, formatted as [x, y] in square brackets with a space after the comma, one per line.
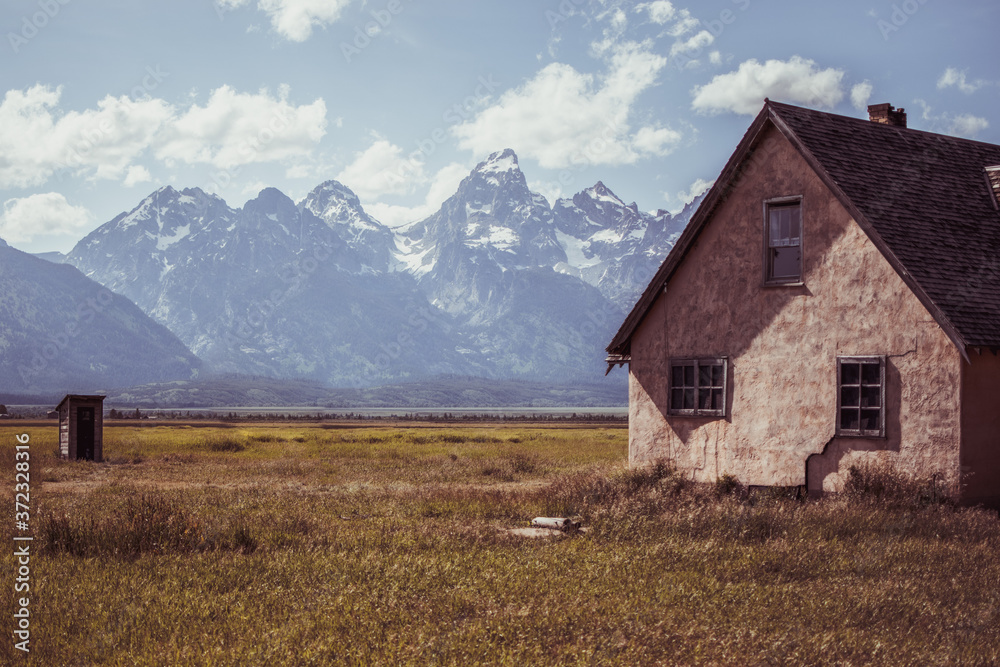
[78, 397]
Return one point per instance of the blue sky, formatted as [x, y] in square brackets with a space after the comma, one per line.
[102, 102]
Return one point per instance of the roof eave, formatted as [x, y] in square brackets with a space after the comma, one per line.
[621, 343]
[946, 325]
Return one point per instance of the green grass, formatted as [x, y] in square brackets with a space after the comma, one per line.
[312, 546]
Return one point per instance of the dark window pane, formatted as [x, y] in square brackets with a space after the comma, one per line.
[676, 399]
[870, 374]
[688, 399]
[689, 376]
[717, 375]
[785, 262]
[850, 397]
[677, 376]
[704, 376]
[850, 373]
[849, 420]
[871, 397]
[717, 399]
[870, 420]
[704, 399]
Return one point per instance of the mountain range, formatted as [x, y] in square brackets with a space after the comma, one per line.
[496, 284]
[61, 329]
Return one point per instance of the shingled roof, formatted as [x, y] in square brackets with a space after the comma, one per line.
[925, 200]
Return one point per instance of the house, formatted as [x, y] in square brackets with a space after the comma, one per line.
[81, 427]
[835, 300]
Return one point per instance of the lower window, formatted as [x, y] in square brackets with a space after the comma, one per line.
[698, 387]
[861, 396]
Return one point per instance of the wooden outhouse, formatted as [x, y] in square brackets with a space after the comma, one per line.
[81, 427]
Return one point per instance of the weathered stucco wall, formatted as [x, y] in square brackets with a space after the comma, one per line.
[980, 456]
[783, 343]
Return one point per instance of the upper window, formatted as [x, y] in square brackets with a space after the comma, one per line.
[698, 387]
[783, 260]
[861, 397]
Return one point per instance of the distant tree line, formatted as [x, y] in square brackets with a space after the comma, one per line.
[446, 417]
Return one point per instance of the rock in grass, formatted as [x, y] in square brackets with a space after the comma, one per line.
[555, 523]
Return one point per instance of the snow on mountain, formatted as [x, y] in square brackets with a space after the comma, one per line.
[337, 206]
[270, 289]
[492, 224]
[487, 257]
[496, 283]
[612, 245]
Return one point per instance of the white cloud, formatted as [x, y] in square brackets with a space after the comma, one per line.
[551, 190]
[137, 174]
[254, 188]
[715, 58]
[36, 140]
[299, 171]
[967, 125]
[954, 77]
[655, 141]
[41, 214]
[963, 125]
[618, 20]
[564, 117]
[443, 185]
[797, 80]
[382, 169]
[860, 94]
[660, 11]
[699, 186]
[234, 129]
[695, 43]
[294, 19]
[684, 24]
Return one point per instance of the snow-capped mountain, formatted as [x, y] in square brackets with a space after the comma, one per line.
[496, 283]
[612, 245]
[337, 206]
[493, 224]
[269, 289]
[487, 257]
[60, 331]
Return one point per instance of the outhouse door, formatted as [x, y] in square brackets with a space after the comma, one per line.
[85, 434]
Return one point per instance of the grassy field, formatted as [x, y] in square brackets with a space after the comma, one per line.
[313, 545]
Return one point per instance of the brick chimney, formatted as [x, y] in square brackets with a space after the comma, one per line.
[885, 114]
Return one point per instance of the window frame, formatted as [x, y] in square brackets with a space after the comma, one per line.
[860, 432]
[780, 202]
[697, 362]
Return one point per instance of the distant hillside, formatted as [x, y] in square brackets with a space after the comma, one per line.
[62, 332]
[446, 391]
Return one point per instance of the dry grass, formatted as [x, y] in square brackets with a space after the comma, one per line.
[308, 546]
